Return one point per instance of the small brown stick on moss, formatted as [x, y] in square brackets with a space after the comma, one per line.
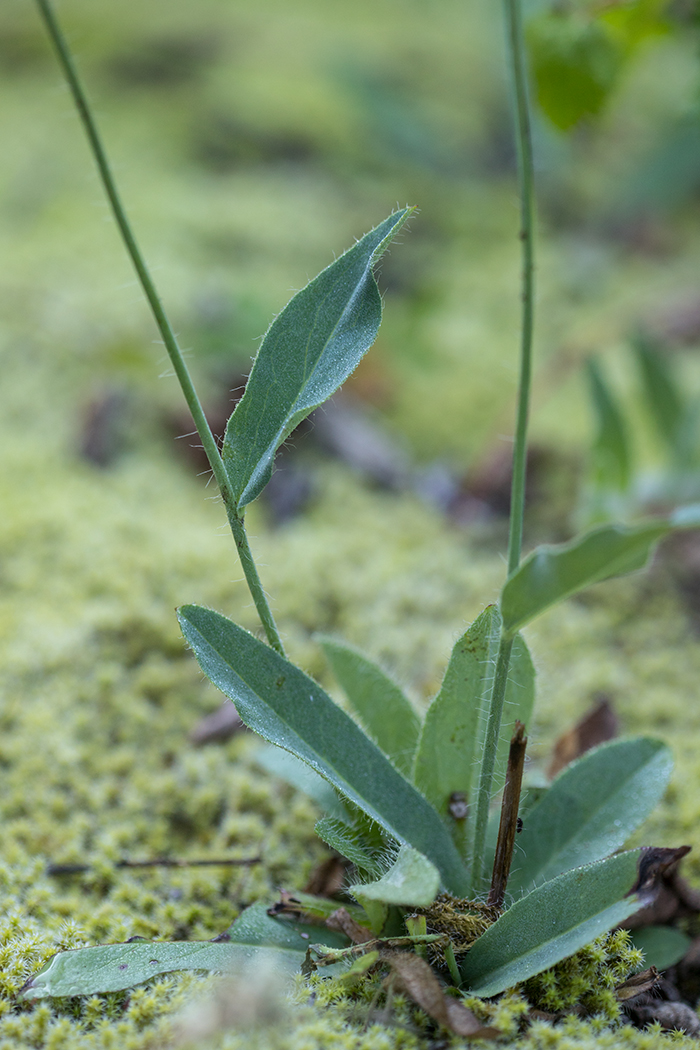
[509, 816]
[161, 862]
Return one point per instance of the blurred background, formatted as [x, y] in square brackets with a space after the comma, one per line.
[254, 142]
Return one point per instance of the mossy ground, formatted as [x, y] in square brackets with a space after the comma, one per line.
[337, 112]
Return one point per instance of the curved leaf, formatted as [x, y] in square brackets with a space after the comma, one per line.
[286, 707]
[411, 880]
[309, 350]
[552, 573]
[348, 842]
[553, 922]
[385, 712]
[253, 937]
[591, 809]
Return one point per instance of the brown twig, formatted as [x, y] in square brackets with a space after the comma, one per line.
[509, 816]
[161, 862]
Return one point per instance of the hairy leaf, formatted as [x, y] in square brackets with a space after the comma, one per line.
[286, 707]
[385, 712]
[346, 841]
[552, 573]
[590, 810]
[553, 922]
[112, 967]
[309, 350]
[299, 774]
[450, 741]
[411, 880]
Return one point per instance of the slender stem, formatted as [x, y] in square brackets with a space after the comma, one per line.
[169, 339]
[527, 210]
[523, 138]
[488, 760]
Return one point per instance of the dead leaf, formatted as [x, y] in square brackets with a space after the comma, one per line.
[326, 880]
[655, 866]
[218, 727]
[342, 921]
[414, 977]
[599, 725]
[637, 984]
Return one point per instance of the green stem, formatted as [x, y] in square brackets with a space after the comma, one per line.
[488, 762]
[171, 345]
[527, 212]
[516, 46]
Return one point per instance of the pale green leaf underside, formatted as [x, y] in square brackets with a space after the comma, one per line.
[411, 881]
[591, 809]
[286, 707]
[308, 352]
[255, 938]
[551, 923]
[383, 709]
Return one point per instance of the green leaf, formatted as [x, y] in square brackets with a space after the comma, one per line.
[384, 711]
[611, 453]
[348, 842]
[663, 946]
[552, 573]
[575, 64]
[518, 705]
[553, 922]
[664, 399]
[450, 741]
[591, 809]
[286, 707]
[411, 881]
[254, 937]
[309, 350]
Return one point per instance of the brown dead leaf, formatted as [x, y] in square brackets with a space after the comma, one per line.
[414, 977]
[342, 921]
[637, 984]
[218, 727]
[327, 878]
[599, 725]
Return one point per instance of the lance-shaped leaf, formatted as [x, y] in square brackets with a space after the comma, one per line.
[286, 707]
[385, 712]
[253, 937]
[552, 573]
[663, 396]
[297, 773]
[309, 350]
[450, 741]
[411, 880]
[553, 922]
[591, 809]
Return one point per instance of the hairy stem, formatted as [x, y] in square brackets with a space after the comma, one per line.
[523, 138]
[171, 344]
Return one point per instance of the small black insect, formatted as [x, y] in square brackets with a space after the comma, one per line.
[518, 825]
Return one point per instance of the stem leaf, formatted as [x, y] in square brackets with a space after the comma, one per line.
[309, 350]
[385, 712]
[592, 807]
[553, 922]
[286, 707]
[552, 573]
